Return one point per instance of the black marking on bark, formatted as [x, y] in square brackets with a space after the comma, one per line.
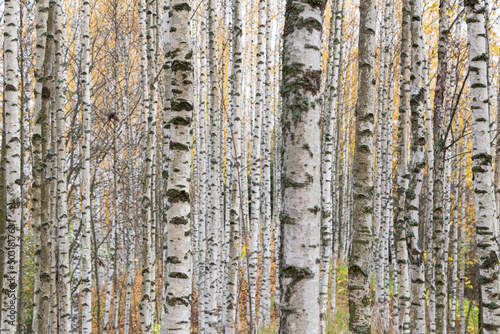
[175, 196]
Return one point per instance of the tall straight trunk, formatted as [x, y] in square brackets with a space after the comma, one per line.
[151, 156]
[201, 270]
[362, 173]
[388, 226]
[380, 198]
[463, 239]
[482, 159]
[215, 214]
[497, 152]
[454, 241]
[277, 158]
[329, 119]
[417, 165]
[106, 326]
[301, 209]
[64, 287]
[429, 200]
[265, 283]
[115, 240]
[12, 140]
[147, 304]
[256, 159]
[179, 258]
[402, 171]
[339, 25]
[439, 171]
[237, 174]
[86, 191]
[42, 181]
[165, 154]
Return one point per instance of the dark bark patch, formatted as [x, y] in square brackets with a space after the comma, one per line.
[175, 196]
[182, 106]
[296, 272]
[173, 259]
[178, 275]
[179, 221]
[181, 6]
[179, 65]
[10, 88]
[178, 120]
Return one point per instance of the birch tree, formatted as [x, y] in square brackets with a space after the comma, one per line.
[482, 166]
[301, 209]
[179, 258]
[359, 261]
[12, 151]
[86, 209]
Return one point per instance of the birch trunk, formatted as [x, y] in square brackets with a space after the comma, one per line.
[12, 130]
[417, 168]
[301, 210]
[62, 207]
[179, 259]
[439, 171]
[488, 251]
[86, 212]
[213, 231]
[429, 203]
[360, 259]
[236, 175]
[461, 283]
[329, 123]
[265, 285]
[402, 172]
[255, 223]
[42, 179]
[146, 306]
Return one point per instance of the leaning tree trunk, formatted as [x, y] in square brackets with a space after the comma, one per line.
[12, 128]
[488, 252]
[362, 173]
[179, 256]
[301, 210]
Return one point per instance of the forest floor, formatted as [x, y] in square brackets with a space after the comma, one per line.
[339, 324]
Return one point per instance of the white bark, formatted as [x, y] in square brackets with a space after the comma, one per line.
[301, 209]
[12, 169]
[86, 116]
[329, 141]
[488, 251]
[179, 259]
[362, 173]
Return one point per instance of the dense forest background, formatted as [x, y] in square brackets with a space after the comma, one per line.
[228, 166]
